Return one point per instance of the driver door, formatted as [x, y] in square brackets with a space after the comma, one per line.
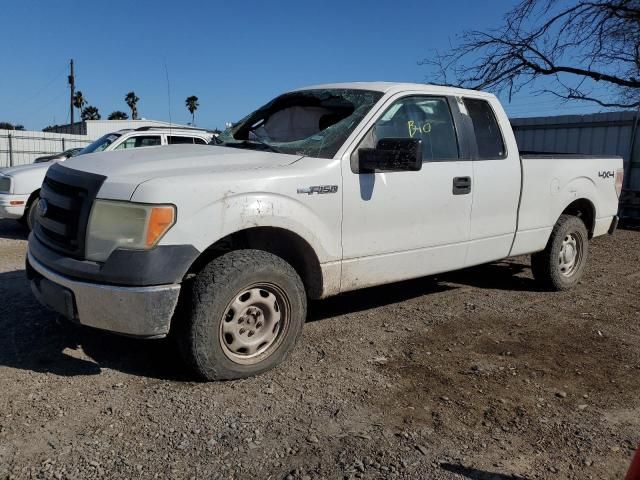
[406, 224]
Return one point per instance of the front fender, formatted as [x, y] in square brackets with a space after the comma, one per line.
[317, 220]
[27, 180]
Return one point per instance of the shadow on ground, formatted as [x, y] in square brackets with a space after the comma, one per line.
[505, 275]
[475, 474]
[12, 230]
[35, 339]
[495, 276]
[368, 298]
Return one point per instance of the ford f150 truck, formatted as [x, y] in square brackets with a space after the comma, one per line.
[322, 190]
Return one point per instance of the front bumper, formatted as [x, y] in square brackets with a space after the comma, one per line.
[12, 206]
[136, 311]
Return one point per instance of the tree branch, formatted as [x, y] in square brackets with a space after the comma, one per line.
[594, 41]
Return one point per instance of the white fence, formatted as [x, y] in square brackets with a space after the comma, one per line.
[18, 147]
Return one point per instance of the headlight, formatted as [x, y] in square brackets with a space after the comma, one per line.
[134, 226]
[5, 184]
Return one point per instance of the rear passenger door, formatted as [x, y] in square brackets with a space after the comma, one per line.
[496, 178]
[404, 224]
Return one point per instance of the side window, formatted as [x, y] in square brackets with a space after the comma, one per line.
[175, 140]
[426, 118]
[140, 141]
[486, 129]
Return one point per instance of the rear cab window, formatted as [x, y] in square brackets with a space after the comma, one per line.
[489, 141]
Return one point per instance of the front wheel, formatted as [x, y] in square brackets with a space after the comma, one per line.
[31, 215]
[560, 266]
[241, 315]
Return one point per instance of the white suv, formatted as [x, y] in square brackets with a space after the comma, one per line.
[20, 185]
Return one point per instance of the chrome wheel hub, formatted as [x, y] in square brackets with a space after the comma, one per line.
[253, 324]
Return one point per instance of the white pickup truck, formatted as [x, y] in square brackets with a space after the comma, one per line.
[323, 190]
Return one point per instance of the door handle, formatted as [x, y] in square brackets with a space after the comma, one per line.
[461, 185]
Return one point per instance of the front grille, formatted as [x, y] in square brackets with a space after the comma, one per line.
[66, 198]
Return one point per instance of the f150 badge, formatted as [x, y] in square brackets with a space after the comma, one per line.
[319, 189]
[606, 174]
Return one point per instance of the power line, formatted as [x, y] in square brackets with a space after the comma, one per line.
[20, 102]
[42, 107]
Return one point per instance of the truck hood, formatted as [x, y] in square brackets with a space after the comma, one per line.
[126, 169]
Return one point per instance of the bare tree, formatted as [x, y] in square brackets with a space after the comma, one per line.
[589, 49]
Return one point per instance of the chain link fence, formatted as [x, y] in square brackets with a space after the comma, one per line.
[19, 147]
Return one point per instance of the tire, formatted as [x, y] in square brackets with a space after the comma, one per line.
[239, 295]
[31, 215]
[553, 268]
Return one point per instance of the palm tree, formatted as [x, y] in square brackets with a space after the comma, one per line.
[192, 105]
[79, 101]
[118, 115]
[132, 101]
[90, 113]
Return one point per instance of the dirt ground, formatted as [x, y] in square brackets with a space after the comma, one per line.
[470, 375]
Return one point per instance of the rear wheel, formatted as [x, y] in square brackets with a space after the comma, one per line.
[560, 266]
[241, 315]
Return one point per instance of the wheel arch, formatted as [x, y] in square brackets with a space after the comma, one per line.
[281, 242]
[35, 194]
[585, 210]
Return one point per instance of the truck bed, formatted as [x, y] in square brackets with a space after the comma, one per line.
[551, 181]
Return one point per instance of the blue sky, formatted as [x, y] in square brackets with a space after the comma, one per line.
[233, 55]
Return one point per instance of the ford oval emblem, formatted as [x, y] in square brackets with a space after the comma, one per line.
[43, 207]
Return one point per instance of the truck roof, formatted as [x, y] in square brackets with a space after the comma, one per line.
[393, 87]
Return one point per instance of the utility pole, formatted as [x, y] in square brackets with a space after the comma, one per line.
[72, 88]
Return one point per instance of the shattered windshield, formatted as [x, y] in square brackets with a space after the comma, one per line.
[313, 123]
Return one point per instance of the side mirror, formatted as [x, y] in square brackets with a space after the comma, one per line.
[392, 154]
